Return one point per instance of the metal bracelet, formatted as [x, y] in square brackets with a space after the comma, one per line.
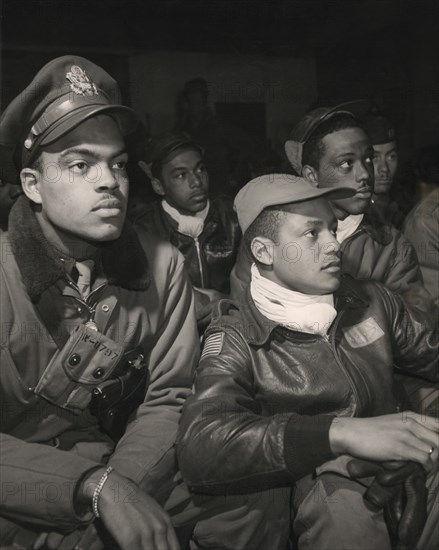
[97, 491]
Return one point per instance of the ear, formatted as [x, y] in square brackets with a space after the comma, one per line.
[145, 167]
[30, 182]
[310, 174]
[158, 187]
[263, 250]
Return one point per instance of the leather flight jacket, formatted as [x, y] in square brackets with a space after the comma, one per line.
[265, 396]
[209, 259]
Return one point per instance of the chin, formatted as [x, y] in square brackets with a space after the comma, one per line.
[358, 207]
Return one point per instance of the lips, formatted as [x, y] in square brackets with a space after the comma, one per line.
[334, 265]
[199, 196]
[108, 204]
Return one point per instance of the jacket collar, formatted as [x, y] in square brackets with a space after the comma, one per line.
[211, 221]
[377, 226]
[123, 261]
[258, 328]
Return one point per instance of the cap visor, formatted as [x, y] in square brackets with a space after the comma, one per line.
[126, 118]
[338, 193]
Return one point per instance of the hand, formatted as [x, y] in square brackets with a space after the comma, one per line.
[133, 519]
[401, 436]
[205, 299]
[398, 489]
[81, 539]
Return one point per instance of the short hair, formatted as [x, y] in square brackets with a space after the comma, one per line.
[267, 224]
[314, 149]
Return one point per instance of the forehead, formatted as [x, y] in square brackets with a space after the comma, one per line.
[100, 131]
[302, 213]
[345, 141]
[182, 158]
[385, 147]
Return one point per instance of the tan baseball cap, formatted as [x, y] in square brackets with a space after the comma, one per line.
[277, 189]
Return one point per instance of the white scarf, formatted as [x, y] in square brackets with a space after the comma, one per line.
[296, 311]
[346, 227]
[192, 226]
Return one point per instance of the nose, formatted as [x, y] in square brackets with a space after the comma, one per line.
[106, 178]
[381, 166]
[195, 180]
[363, 173]
[332, 246]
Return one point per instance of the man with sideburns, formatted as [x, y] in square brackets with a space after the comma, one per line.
[294, 389]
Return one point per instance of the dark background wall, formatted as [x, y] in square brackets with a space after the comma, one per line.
[298, 52]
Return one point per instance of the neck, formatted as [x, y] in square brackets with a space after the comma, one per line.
[65, 243]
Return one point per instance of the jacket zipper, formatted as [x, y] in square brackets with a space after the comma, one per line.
[330, 341]
[200, 265]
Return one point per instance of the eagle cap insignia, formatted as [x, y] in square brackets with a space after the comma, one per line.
[80, 83]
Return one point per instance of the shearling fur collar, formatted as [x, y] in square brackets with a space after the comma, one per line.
[124, 262]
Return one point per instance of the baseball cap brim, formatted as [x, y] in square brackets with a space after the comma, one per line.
[279, 189]
[125, 117]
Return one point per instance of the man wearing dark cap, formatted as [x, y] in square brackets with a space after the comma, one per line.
[91, 312]
[330, 148]
[205, 230]
[294, 387]
[382, 136]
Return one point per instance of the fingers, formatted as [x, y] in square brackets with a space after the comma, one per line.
[172, 539]
[429, 422]
[90, 540]
[39, 543]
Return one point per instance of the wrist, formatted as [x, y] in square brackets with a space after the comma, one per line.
[338, 435]
[87, 486]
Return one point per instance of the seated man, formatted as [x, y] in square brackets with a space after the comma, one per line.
[294, 385]
[79, 290]
[421, 227]
[205, 231]
[381, 134]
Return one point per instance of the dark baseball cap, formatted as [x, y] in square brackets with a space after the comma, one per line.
[379, 128]
[63, 94]
[164, 147]
[277, 189]
[307, 125]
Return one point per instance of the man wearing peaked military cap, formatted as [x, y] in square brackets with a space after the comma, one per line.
[104, 305]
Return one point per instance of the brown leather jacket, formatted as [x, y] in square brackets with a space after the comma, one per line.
[265, 396]
[208, 259]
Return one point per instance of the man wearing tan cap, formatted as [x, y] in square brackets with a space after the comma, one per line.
[294, 386]
[99, 339]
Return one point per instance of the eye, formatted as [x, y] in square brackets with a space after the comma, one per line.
[311, 234]
[369, 159]
[78, 167]
[201, 169]
[346, 164]
[393, 156]
[120, 165]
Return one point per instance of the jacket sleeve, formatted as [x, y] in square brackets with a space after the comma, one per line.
[226, 444]
[41, 491]
[146, 453]
[402, 271]
[415, 336]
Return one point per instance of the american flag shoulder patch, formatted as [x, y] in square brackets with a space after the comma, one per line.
[213, 345]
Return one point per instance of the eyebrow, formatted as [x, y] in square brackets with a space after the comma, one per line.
[88, 152]
[314, 223]
[176, 168]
